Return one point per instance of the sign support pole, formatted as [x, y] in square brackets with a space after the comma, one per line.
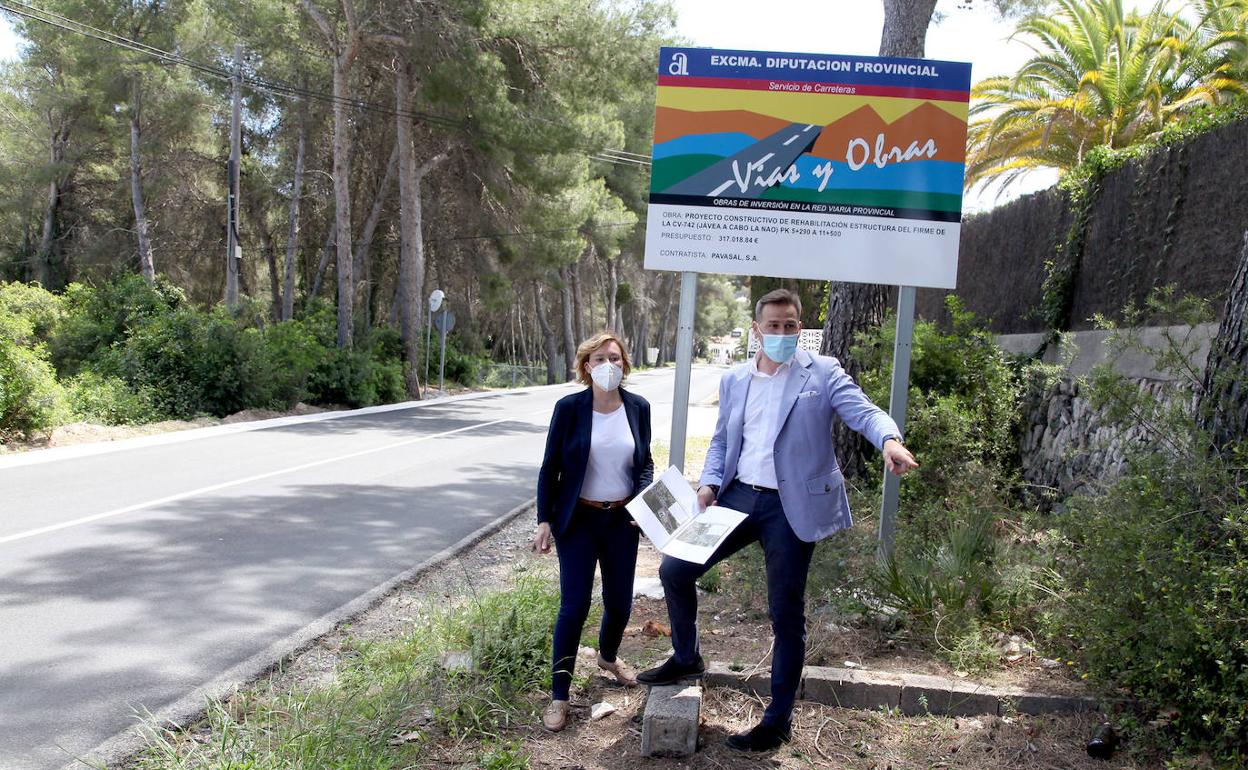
[442, 360]
[684, 366]
[428, 341]
[897, 410]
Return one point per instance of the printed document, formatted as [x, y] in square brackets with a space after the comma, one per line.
[667, 511]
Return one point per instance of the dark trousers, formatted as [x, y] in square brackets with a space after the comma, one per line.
[594, 537]
[788, 561]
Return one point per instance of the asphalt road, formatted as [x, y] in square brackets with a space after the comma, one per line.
[132, 576]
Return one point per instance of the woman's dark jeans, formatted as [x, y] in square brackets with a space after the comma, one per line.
[595, 537]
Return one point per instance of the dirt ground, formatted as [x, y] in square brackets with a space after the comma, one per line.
[823, 736]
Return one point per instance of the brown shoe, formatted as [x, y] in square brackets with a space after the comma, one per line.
[623, 674]
[555, 718]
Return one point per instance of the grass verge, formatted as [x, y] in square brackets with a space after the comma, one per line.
[460, 677]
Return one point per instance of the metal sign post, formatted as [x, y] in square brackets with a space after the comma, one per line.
[897, 403]
[684, 366]
[435, 302]
[445, 321]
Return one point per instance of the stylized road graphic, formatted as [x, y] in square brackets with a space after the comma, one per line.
[754, 170]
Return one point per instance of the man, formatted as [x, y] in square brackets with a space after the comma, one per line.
[772, 458]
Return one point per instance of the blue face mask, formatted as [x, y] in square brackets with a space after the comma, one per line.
[779, 347]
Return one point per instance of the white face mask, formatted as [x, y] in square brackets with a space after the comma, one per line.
[607, 375]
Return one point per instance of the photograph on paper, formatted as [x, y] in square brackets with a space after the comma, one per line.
[667, 511]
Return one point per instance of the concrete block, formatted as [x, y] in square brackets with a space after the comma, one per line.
[756, 683]
[847, 688]
[669, 726]
[1039, 703]
[922, 694]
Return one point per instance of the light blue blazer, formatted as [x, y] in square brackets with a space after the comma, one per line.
[812, 488]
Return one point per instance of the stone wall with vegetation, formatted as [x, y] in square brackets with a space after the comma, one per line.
[1126, 224]
[1068, 444]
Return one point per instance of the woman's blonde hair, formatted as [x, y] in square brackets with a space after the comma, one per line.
[587, 348]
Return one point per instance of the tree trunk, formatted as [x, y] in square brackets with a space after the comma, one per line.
[146, 264]
[292, 235]
[275, 290]
[854, 307]
[1223, 408]
[364, 245]
[549, 344]
[666, 322]
[613, 284]
[411, 239]
[905, 27]
[578, 308]
[56, 188]
[569, 341]
[342, 204]
[327, 253]
[643, 328]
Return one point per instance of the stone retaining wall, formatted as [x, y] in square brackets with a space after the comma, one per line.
[1066, 443]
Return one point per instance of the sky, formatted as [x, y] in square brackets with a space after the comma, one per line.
[850, 27]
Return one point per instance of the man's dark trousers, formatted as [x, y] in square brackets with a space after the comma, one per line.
[788, 561]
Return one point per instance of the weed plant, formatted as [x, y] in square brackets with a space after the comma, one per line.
[393, 702]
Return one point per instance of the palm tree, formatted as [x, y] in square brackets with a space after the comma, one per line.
[1102, 77]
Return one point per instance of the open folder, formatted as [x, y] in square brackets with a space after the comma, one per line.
[667, 511]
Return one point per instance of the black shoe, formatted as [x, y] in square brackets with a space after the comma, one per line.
[672, 672]
[761, 738]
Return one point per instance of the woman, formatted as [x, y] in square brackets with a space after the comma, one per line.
[597, 459]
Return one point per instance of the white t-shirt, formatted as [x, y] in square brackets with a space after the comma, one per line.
[609, 474]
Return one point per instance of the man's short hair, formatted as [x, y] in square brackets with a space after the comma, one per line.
[778, 297]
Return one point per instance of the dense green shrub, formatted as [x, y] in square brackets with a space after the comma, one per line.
[129, 352]
[98, 319]
[107, 400]
[462, 365]
[965, 394]
[1156, 564]
[282, 363]
[38, 307]
[953, 572]
[192, 361]
[30, 397]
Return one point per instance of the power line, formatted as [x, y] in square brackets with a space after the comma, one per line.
[272, 86]
[627, 154]
[255, 83]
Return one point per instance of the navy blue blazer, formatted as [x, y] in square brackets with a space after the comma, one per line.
[567, 454]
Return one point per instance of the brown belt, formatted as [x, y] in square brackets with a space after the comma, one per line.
[605, 505]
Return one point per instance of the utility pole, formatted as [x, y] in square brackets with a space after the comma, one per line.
[233, 252]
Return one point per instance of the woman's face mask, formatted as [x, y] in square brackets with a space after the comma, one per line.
[607, 375]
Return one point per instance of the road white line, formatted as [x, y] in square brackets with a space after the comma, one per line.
[807, 128]
[791, 139]
[34, 457]
[721, 188]
[248, 480]
[759, 163]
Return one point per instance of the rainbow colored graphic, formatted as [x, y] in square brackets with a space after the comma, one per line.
[837, 134]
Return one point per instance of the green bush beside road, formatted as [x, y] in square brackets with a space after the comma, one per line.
[124, 352]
